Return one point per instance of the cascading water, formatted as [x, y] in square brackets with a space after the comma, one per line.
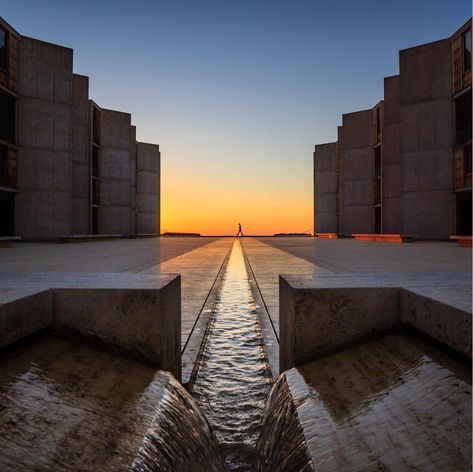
[233, 378]
[179, 438]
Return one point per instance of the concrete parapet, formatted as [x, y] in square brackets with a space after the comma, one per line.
[317, 316]
[138, 315]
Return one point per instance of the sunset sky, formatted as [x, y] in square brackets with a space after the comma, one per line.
[236, 93]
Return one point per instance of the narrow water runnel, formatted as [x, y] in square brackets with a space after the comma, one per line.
[234, 379]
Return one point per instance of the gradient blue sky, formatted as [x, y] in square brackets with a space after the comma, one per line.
[237, 92]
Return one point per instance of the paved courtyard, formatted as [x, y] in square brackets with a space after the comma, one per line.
[199, 261]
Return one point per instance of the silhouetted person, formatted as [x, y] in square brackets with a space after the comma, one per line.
[240, 232]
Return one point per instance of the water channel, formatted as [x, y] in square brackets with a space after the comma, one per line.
[234, 379]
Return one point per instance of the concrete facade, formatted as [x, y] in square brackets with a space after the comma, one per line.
[148, 186]
[404, 167]
[325, 188]
[356, 172]
[67, 166]
[391, 158]
[427, 140]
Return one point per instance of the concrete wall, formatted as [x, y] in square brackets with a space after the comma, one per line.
[391, 158]
[44, 137]
[356, 173]
[317, 316]
[148, 188]
[114, 168]
[426, 125]
[80, 154]
[133, 216]
[325, 188]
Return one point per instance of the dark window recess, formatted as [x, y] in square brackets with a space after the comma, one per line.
[467, 159]
[466, 46]
[378, 124]
[377, 162]
[95, 191]
[377, 191]
[95, 220]
[95, 161]
[3, 165]
[463, 118]
[7, 118]
[95, 125]
[7, 214]
[3, 49]
[377, 220]
[464, 214]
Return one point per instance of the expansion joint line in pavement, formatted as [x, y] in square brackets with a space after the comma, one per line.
[247, 260]
[220, 271]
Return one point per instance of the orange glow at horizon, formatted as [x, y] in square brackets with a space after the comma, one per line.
[192, 207]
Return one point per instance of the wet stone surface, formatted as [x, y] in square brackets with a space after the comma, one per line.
[392, 403]
[65, 406]
[233, 378]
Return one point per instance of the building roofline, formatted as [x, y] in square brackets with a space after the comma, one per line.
[117, 111]
[378, 104]
[395, 76]
[95, 104]
[148, 144]
[325, 144]
[8, 26]
[358, 111]
[81, 75]
[462, 27]
[48, 43]
[432, 43]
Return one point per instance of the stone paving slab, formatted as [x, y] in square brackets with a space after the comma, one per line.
[439, 270]
[122, 255]
[348, 255]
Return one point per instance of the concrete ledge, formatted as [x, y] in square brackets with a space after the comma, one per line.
[387, 238]
[316, 318]
[6, 241]
[326, 235]
[23, 313]
[135, 314]
[464, 241]
[83, 238]
[144, 235]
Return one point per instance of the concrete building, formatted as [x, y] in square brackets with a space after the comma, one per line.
[404, 166]
[67, 166]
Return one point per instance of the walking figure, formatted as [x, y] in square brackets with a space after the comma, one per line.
[240, 232]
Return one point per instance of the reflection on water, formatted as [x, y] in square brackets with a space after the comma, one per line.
[233, 379]
[392, 403]
[64, 406]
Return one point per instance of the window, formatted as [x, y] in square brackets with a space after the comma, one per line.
[95, 220]
[95, 126]
[3, 49]
[466, 46]
[7, 117]
[467, 159]
[377, 162]
[3, 165]
[95, 161]
[378, 124]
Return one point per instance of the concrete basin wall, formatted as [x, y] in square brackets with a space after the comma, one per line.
[316, 318]
[143, 321]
